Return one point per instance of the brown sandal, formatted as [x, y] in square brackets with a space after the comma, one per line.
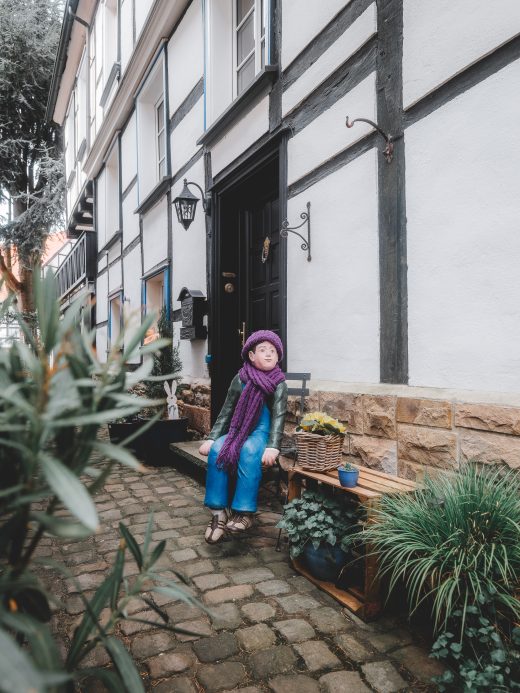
[216, 528]
[240, 522]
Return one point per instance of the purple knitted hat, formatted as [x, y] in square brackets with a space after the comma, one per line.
[262, 336]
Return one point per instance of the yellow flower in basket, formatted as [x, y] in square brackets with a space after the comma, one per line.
[320, 423]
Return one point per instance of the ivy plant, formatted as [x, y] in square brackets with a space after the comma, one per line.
[319, 519]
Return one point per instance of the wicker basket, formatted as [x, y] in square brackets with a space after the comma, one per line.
[318, 453]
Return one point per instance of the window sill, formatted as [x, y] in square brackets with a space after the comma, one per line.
[216, 129]
[115, 73]
[154, 196]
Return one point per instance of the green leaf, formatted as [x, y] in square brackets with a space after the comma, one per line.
[109, 678]
[125, 666]
[42, 644]
[118, 574]
[156, 553]
[119, 454]
[17, 673]
[134, 342]
[89, 620]
[132, 545]
[59, 527]
[69, 490]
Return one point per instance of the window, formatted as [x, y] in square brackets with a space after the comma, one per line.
[115, 318]
[237, 35]
[156, 296]
[160, 138]
[249, 42]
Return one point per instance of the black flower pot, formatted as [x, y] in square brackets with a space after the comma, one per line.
[153, 445]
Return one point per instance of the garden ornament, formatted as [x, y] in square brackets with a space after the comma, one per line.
[246, 436]
[171, 400]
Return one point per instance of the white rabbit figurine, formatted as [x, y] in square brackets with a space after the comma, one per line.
[171, 400]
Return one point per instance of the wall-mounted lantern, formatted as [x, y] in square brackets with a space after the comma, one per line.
[186, 202]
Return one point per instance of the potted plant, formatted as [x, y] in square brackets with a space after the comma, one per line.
[154, 429]
[348, 475]
[319, 441]
[322, 529]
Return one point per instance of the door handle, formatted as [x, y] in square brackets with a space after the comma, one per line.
[242, 333]
[229, 275]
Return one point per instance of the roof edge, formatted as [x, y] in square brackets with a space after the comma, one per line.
[71, 7]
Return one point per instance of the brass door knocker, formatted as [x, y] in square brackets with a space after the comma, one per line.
[265, 249]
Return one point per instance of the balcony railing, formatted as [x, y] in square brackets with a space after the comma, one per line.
[79, 266]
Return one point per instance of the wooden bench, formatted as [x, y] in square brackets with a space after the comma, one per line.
[372, 485]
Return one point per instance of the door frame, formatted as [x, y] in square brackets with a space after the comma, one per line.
[274, 149]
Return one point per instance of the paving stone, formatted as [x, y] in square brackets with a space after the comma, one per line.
[132, 627]
[236, 563]
[272, 587]
[200, 629]
[256, 637]
[317, 655]
[417, 661]
[296, 603]
[251, 576]
[258, 611]
[249, 689]
[228, 594]
[88, 581]
[384, 642]
[190, 541]
[218, 647]
[183, 612]
[208, 582]
[196, 568]
[273, 661]
[225, 616]
[383, 677]
[294, 684]
[177, 685]
[183, 555]
[147, 645]
[295, 629]
[217, 677]
[343, 682]
[355, 650]
[327, 620]
[284, 570]
[168, 663]
[165, 534]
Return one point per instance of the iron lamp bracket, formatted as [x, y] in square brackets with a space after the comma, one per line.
[286, 230]
[388, 151]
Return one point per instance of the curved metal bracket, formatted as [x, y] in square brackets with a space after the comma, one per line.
[388, 151]
[286, 229]
[206, 199]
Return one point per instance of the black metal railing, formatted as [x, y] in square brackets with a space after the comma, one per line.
[79, 266]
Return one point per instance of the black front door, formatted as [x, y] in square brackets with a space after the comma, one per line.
[248, 288]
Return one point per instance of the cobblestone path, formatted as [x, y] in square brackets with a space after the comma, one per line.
[269, 629]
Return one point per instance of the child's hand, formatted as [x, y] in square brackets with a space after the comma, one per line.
[206, 447]
[269, 456]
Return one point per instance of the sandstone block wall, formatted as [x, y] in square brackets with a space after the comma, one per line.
[408, 436]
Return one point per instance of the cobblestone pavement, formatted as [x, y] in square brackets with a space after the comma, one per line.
[269, 628]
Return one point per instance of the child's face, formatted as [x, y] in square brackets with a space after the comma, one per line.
[264, 357]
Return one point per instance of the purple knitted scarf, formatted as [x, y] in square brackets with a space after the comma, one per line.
[258, 386]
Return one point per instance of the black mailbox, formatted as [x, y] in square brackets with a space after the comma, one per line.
[193, 309]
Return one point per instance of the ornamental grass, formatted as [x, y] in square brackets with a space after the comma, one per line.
[454, 542]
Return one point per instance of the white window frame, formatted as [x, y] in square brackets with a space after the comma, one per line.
[259, 47]
[160, 131]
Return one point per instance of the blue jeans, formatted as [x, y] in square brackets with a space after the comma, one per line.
[219, 483]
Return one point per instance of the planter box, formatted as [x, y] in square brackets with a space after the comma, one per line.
[153, 446]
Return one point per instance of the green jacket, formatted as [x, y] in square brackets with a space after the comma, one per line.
[277, 404]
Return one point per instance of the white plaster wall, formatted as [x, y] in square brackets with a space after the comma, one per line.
[188, 40]
[114, 277]
[189, 269]
[127, 43]
[101, 297]
[241, 136]
[128, 154]
[463, 207]
[183, 140]
[100, 209]
[443, 37]
[347, 44]
[130, 220]
[155, 235]
[300, 25]
[132, 292]
[102, 343]
[142, 8]
[327, 134]
[333, 301]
